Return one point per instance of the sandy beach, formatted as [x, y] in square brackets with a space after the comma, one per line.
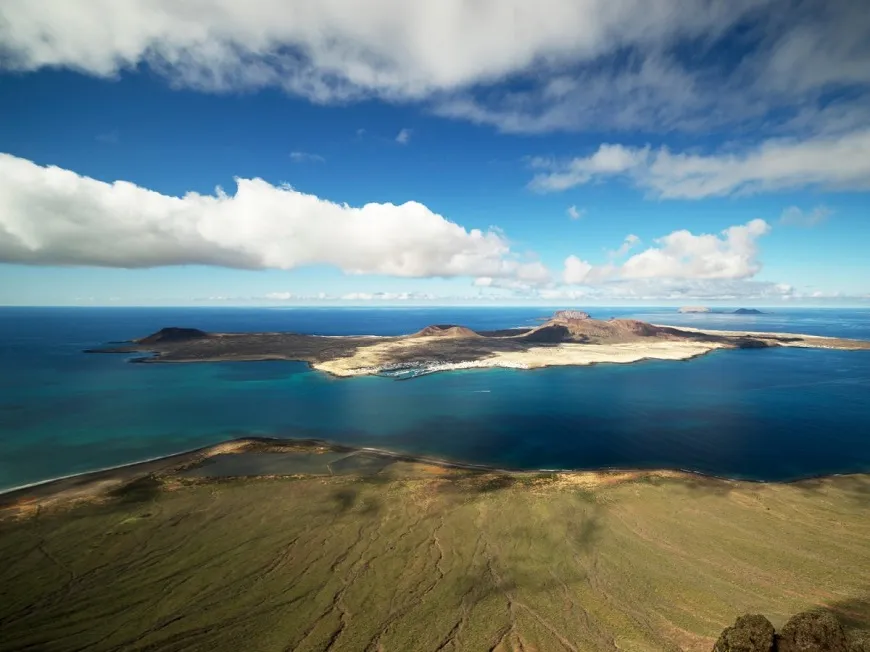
[376, 358]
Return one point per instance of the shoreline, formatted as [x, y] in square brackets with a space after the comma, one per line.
[195, 455]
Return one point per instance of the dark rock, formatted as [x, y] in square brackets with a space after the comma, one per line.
[751, 343]
[549, 333]
[747, 311]
[173, 334]
[751, 633]
[812, 631]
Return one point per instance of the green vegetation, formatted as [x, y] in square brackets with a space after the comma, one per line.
[418, 557]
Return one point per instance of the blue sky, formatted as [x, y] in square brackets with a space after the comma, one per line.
[697, 152]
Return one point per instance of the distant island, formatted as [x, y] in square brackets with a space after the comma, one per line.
[567, 338]
[688, 310]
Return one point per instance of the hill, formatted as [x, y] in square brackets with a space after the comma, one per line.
[445, 330]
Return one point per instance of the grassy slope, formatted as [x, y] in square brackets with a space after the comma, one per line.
[473, 562]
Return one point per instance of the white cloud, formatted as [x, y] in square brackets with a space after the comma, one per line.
[586, 63]
[630, 242]
[52, 216]
[403, 137]
[306, 157]
[280, 296]
[576, 213]
[830, 162]
[680, 256]
[794, 216]
[336, 49]
[576, 271]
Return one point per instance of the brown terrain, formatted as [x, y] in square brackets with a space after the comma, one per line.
[258, 544]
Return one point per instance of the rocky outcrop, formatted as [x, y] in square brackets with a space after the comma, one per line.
[810, 631]
[751, 633]
[747, 311]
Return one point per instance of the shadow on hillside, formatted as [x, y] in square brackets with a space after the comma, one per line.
[853, 613]
[140, 490]
[346, 499]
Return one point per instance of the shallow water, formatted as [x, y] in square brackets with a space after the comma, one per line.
[762, 414]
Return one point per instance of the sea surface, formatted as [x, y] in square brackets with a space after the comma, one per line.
[769, 414]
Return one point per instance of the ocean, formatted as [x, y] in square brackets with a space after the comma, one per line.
[770, 414]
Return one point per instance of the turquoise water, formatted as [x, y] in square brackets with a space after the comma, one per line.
[761, 414]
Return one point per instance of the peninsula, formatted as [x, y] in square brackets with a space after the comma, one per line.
[568, 338]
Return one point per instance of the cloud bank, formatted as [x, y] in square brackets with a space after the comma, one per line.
[52, 216]
[837, 163]
[581, 64]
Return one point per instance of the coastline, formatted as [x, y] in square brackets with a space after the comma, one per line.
[103, 479]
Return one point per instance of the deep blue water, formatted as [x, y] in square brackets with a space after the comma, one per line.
[761, 414]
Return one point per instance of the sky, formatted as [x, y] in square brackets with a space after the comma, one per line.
[470, 152]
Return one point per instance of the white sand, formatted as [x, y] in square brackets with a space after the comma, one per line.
[377, 358]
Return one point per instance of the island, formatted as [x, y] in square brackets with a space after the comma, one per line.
[567, 338]
[271, 545]
[747, 311]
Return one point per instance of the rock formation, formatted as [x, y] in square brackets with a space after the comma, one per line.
[751, 633]
[810, 631]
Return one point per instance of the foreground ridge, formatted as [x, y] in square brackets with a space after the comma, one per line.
[300, 545]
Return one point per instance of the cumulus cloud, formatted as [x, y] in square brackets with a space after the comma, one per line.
[830, 162]
[576, 213]
[306, 157]
[52, 216]
[680, 256]
[582, 63]
[731, 255]
[576, 271]
[403, 137]
[794, 216]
